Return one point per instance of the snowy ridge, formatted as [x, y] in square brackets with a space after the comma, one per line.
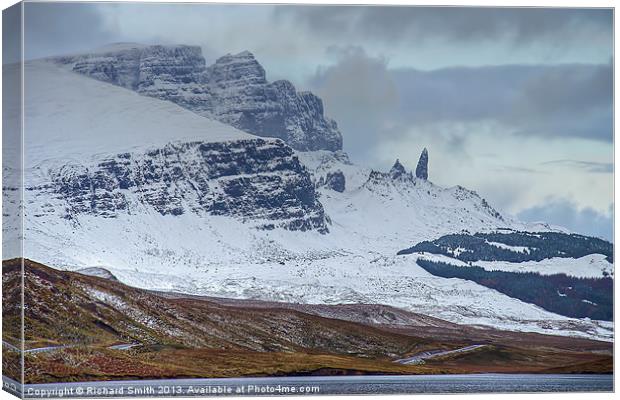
[104, 119]
[98, 272]
[388, 209]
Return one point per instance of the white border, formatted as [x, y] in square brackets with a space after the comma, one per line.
[483, 3]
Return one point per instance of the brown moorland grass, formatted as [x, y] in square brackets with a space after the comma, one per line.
[188, 336]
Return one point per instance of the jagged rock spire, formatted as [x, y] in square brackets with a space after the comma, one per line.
[421, 170]
[397, 170]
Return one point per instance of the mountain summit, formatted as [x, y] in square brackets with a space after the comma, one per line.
[233, 90]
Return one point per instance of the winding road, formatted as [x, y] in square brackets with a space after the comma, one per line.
[421, 357]
[123, 346]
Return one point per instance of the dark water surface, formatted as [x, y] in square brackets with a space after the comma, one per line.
[478, 383]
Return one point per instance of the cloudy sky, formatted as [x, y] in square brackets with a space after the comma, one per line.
[513, 103]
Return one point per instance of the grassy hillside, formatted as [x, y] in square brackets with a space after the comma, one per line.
[164, 336]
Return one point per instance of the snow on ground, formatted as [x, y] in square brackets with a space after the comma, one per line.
[516, 249]
[590, 266]
[69, 116]
[222, 257]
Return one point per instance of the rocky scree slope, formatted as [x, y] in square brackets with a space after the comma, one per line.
[233, 90]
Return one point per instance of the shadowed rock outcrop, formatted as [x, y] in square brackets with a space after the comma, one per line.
[335, 181]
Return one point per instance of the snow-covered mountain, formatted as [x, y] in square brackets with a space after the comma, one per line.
[390, 206]
[167, 199]
[210, 167]
[233, 90]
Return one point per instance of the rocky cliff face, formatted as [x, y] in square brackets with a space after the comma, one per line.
[233, 90]
[258, 181]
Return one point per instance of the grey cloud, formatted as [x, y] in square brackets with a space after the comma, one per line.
[575, 100]
[361, 94]
[371, 101]
[555, 101]
[589, 166]
[60, 28]
[518, 25]
[564, 213]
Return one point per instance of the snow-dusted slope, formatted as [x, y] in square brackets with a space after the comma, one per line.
[72, 117]
[590, 266]
[100, 168]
